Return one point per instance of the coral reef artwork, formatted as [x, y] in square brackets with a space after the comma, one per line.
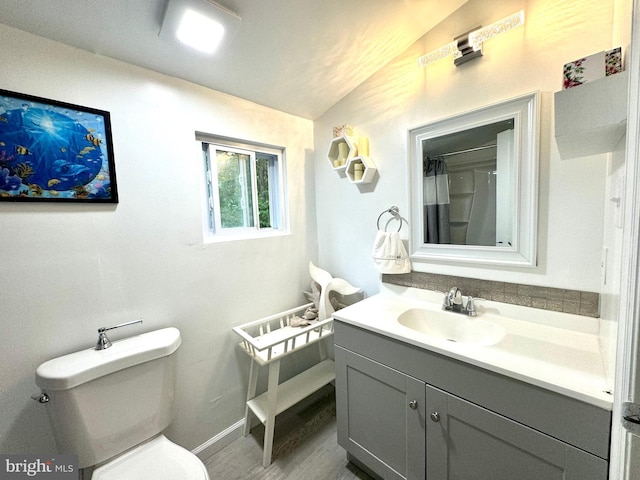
[54, 151]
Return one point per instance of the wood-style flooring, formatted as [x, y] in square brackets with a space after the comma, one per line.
[305, 447]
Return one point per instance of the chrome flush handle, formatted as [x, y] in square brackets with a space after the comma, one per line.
[103, 340]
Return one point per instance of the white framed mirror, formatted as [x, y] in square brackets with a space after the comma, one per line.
[474, 186]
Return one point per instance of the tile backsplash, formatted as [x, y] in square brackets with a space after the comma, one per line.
[555, 299]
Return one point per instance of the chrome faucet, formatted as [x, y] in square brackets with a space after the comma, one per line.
[453, 302]
[471, 307]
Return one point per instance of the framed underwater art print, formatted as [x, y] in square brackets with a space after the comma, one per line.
[54, 151]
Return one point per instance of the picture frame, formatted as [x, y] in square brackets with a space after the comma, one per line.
[52, 151]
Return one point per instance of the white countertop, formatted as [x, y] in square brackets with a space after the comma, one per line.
[556, 351]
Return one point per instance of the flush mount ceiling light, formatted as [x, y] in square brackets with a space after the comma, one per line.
[469, 45]
[201, 24]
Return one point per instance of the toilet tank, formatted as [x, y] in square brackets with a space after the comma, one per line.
[103, 402]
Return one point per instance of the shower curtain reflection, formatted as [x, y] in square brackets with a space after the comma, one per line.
[436, 200]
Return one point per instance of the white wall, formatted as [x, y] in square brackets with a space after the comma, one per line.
[69, 269]
[612, 258]
[402, 96]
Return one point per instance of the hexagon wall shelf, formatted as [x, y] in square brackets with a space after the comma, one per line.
[368, 173]
[351, 147]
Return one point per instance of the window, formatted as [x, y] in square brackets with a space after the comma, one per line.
[244, 187]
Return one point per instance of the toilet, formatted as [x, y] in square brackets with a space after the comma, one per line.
[110, 406]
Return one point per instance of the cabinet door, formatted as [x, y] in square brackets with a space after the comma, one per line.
[468, 442]
[380, 414]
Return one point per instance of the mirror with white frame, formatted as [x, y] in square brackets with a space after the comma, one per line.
[474, 186]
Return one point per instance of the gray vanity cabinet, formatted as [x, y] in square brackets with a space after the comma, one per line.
[465, 441]
[381, 414]
[405, 413]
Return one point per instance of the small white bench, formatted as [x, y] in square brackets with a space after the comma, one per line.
[266, 341]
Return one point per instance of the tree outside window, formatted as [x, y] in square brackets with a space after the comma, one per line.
[244, 188]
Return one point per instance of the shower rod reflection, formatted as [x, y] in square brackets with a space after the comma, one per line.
[468, 150]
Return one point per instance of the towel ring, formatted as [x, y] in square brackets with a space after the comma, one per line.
[395, 212]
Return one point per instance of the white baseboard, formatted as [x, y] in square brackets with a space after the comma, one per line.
[235, 431]
[221, 440]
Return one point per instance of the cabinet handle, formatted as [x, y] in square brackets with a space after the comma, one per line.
[413, 404]
[435, 416]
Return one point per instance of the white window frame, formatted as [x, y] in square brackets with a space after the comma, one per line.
[212, 229]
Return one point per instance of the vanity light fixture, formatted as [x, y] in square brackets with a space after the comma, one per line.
[469, 45]
[203, 25]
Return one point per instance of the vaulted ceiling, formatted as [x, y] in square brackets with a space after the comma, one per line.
[297, 56]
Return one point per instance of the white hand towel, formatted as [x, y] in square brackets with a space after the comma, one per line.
[389, 253]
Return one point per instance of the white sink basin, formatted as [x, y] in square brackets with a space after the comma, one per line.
[453, 327]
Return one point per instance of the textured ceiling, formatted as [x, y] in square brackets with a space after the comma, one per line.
[297, 56]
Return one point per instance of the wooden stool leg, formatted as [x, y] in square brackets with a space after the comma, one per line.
[272, 398]
[251, 392]
[322, 348]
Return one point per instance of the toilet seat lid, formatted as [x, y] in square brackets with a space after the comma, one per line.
[157, 459]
